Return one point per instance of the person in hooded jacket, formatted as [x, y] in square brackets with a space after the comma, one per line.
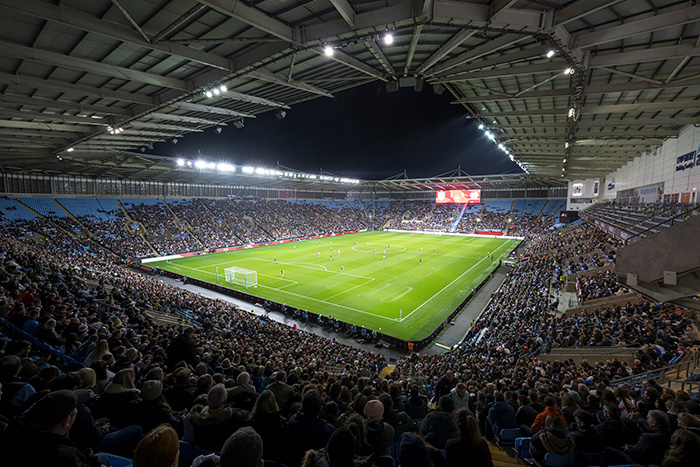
[551, 439]
[380, 434]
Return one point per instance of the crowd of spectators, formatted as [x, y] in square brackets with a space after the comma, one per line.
[600, 285]
[250, 388]
[163, 231]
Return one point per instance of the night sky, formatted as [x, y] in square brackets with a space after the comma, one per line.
[363, 132]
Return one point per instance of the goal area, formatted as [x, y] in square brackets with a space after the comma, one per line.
[241, 276]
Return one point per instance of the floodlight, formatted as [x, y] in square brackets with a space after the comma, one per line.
[248, 170]
[142, 149]
[208, 94]
[569, 71]
[388, 38]
[328, 50]
[239, 123]
[223, 88]
[70, 149]
[218, 130]
[280, 114]
[481, 126]
[551, 53]
[181, 162]
[174, 140]
[225, 167]
[564, 161]
[511, 157]
[438, 89]
[566, 144]
[216, 91]
[149, 146]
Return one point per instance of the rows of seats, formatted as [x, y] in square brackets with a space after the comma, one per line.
[234, 379]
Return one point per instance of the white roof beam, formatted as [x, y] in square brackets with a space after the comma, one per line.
[11, 99]
[44, 126]
[182, 119]
[643, 26]
[645, 55]
[498, 6]
[551, 67]
[581, 8]
[238, 96]
[641, 107]
[10, 113]
[162, 126]
[8, 49]
[341, 57]
[376, 50]
[412, 47]
[487, 48]
[252, 17]
[268, 76]
[209, 109]
[79, 20]
[79, 89]
[454, 42]
[345, 11]
[530, 52]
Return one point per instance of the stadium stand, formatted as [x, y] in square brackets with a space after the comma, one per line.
[116, 344]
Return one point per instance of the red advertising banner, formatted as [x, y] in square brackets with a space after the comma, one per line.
[458, 196]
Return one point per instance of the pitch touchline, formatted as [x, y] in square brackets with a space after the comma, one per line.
[304, 296]
[458, 277]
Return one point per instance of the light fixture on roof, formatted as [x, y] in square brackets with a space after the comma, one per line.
[280, 114]
[208, 94]
[239, 123]
[564, 161]
[174, 141]
[551, 53]
[181, 162]
[223, 88]
[566, 144]
[328, 50]
[216, 91]
[70, 149]
[218, 130]
[438, 89]
[481, 126]
[149, 146]
[388, 38]
[569, 71]
[572, 112]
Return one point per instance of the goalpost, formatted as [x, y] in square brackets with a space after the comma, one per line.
[241, 276]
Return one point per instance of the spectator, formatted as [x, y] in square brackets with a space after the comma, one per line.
[684, 450]
[159, 448]
[182, 348]
[550, 408]
[583, 433]
[438, 426]
[153, 409]
[469, 445]
[460, 396]
[339, 452]
[212, 424]
[651, 446]
[551, 439]
[244, 448]
[501, 415]
[445, 384]
[305, 430]
[268, 423]
[380, 434]
[283, 392]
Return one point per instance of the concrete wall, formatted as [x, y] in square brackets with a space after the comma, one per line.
[660, 165]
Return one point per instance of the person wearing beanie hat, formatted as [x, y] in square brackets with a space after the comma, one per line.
[380, 435]
[153, 409]
[99, 436]
[38, 436]
[413, 452]
[208, 427]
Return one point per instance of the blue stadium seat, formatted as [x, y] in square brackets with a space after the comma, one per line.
[555, 460]
[117, 461]
[508, 435]
[522, 448]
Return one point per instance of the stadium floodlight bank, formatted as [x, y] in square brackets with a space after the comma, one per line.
[241, 276]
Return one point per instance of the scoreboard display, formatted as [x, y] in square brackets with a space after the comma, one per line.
[458, 197]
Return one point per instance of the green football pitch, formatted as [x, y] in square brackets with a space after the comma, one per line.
[402, 283]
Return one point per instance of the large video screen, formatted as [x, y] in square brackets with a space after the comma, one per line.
[458, 196]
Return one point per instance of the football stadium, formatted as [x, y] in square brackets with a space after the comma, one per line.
[349, 233]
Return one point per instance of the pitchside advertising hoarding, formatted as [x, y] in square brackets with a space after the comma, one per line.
[458, 197]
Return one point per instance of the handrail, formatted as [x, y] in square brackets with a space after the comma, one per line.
[686, 362]
[684, 213]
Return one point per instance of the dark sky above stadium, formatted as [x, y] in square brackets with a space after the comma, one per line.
[363, 132]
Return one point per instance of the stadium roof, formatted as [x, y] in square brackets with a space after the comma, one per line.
[108, 78]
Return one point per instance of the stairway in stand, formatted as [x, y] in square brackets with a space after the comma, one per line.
[502, 458]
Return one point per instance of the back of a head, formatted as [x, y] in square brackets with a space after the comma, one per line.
[413, 452]
[554, 423]
[244, 448]
[468, 426]
[341, 448]
[660, 420]
[446, 404]
[159, 448]
[311, 403]
[281, 376]
[243, 378]
[498, 396]
[550, 401]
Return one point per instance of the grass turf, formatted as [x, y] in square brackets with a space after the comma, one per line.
[399, 295]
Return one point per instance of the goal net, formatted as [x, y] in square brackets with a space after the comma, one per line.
[241, 276]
